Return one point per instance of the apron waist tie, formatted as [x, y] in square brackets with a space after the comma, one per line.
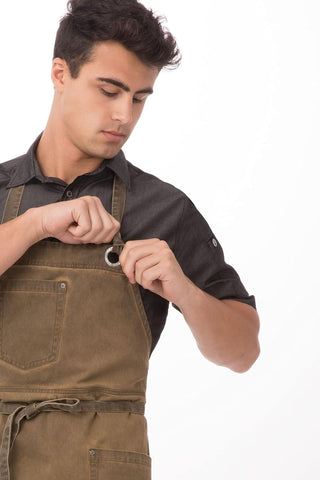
[19, 412]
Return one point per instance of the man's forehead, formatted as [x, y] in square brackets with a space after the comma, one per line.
[113, 59]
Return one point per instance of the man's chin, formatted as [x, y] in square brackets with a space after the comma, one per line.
[106, 152]
[111, 153]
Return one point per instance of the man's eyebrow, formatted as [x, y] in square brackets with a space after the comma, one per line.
[124, 87]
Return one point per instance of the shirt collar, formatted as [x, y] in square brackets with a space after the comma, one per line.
[29, 168]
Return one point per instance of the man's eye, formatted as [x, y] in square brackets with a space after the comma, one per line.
[108, 94]
[137, 100]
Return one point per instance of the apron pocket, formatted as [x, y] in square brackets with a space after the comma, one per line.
[31, 314]
[116, 465]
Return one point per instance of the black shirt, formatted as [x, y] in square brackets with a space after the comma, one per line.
[154, 209]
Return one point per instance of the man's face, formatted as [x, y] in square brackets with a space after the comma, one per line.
[99, 109]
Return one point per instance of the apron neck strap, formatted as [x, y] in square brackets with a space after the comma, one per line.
[12, 206]
[118, 198]
[118, 204]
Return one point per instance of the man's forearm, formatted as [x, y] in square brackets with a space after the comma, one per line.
[16, 237]
[226, 331]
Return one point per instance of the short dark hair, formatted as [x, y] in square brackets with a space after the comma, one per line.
[128, 22]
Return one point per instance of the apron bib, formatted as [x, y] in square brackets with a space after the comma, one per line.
[74, 353]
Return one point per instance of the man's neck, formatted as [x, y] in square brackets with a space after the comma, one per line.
[60, 161]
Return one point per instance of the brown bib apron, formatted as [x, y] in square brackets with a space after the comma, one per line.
[74, 353]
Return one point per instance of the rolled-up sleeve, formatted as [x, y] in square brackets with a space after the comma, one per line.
[202, 259]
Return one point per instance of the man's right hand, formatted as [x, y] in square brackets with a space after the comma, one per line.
[79, 221]
[83, 220]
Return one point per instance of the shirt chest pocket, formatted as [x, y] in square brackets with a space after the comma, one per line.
[31, 317]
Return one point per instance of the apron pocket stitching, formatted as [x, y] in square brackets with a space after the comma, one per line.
[31, 315]
[117, 465]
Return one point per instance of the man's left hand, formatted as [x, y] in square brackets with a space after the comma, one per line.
[152, 264]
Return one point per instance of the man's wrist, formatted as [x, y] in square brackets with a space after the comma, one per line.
[31, 226]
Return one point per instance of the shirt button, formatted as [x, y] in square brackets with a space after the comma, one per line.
[214, 242]
[69, 194]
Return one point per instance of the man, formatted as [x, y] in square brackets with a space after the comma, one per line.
[94, 251]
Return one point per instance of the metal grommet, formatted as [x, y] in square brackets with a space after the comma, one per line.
[111, 258]
[214, 242]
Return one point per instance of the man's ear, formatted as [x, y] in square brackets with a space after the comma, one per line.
[59, 72]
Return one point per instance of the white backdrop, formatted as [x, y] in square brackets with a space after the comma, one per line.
[236, 128]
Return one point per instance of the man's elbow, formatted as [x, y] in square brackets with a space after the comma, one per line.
[243, 363]
[239, 363]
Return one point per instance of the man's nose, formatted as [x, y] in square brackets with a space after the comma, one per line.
[122, 111]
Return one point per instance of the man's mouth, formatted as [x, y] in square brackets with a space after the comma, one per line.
[113, 135]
